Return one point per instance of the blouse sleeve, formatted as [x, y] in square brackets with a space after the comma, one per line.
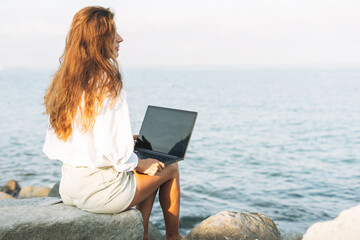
[113, 138]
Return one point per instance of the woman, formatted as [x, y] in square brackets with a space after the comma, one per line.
[89, 130]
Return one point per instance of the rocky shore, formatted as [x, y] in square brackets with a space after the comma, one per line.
[12, 190]
[37, 213]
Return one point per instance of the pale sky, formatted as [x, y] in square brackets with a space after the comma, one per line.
[192, 32]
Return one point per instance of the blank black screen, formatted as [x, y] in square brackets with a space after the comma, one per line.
[166, 130]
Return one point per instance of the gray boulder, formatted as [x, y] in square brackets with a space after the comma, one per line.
[235, 225]
[29, 202]
[35, 219]
[54, 191]
[154, 233]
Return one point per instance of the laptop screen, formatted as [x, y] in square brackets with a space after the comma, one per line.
[166, 130]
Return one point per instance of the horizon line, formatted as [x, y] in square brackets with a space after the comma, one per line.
[207, 67]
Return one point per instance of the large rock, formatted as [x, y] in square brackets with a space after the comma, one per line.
[345, 227]
[154, 233]
[29, 202]
[44, 218]
[6, 196]
[54, 191]
[31, 192]
[12, 188]
[235, 225]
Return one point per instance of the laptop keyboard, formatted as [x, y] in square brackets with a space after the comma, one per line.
[143, 155]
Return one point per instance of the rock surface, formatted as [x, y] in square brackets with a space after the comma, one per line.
[235, 225]
[5, 196]
[154, 233]
[31, 192]
[29, 202]
[35, 219]
[345, 227]
[54, 191]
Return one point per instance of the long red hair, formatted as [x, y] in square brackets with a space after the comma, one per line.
[88, 72]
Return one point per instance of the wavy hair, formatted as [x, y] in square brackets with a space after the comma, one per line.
[88, 73]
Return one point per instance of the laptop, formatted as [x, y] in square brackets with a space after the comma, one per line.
[165, 134]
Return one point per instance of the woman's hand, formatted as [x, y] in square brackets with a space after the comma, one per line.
[149, 166]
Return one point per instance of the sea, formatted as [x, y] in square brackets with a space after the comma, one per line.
[284, 142]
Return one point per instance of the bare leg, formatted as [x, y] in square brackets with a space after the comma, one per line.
[146, 189]
[145, 208]
[169, 197]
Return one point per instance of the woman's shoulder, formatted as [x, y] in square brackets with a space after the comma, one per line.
[116, 103]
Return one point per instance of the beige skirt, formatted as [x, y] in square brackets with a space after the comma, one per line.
[98, 190]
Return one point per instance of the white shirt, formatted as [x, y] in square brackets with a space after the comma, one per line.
[110, 143]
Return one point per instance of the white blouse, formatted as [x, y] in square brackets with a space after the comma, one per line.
[110, 143]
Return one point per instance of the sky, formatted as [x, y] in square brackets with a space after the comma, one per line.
[192, 32]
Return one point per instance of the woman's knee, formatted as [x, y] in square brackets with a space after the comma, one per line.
[173, 170]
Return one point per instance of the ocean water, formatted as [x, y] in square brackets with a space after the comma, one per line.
[283, 142]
